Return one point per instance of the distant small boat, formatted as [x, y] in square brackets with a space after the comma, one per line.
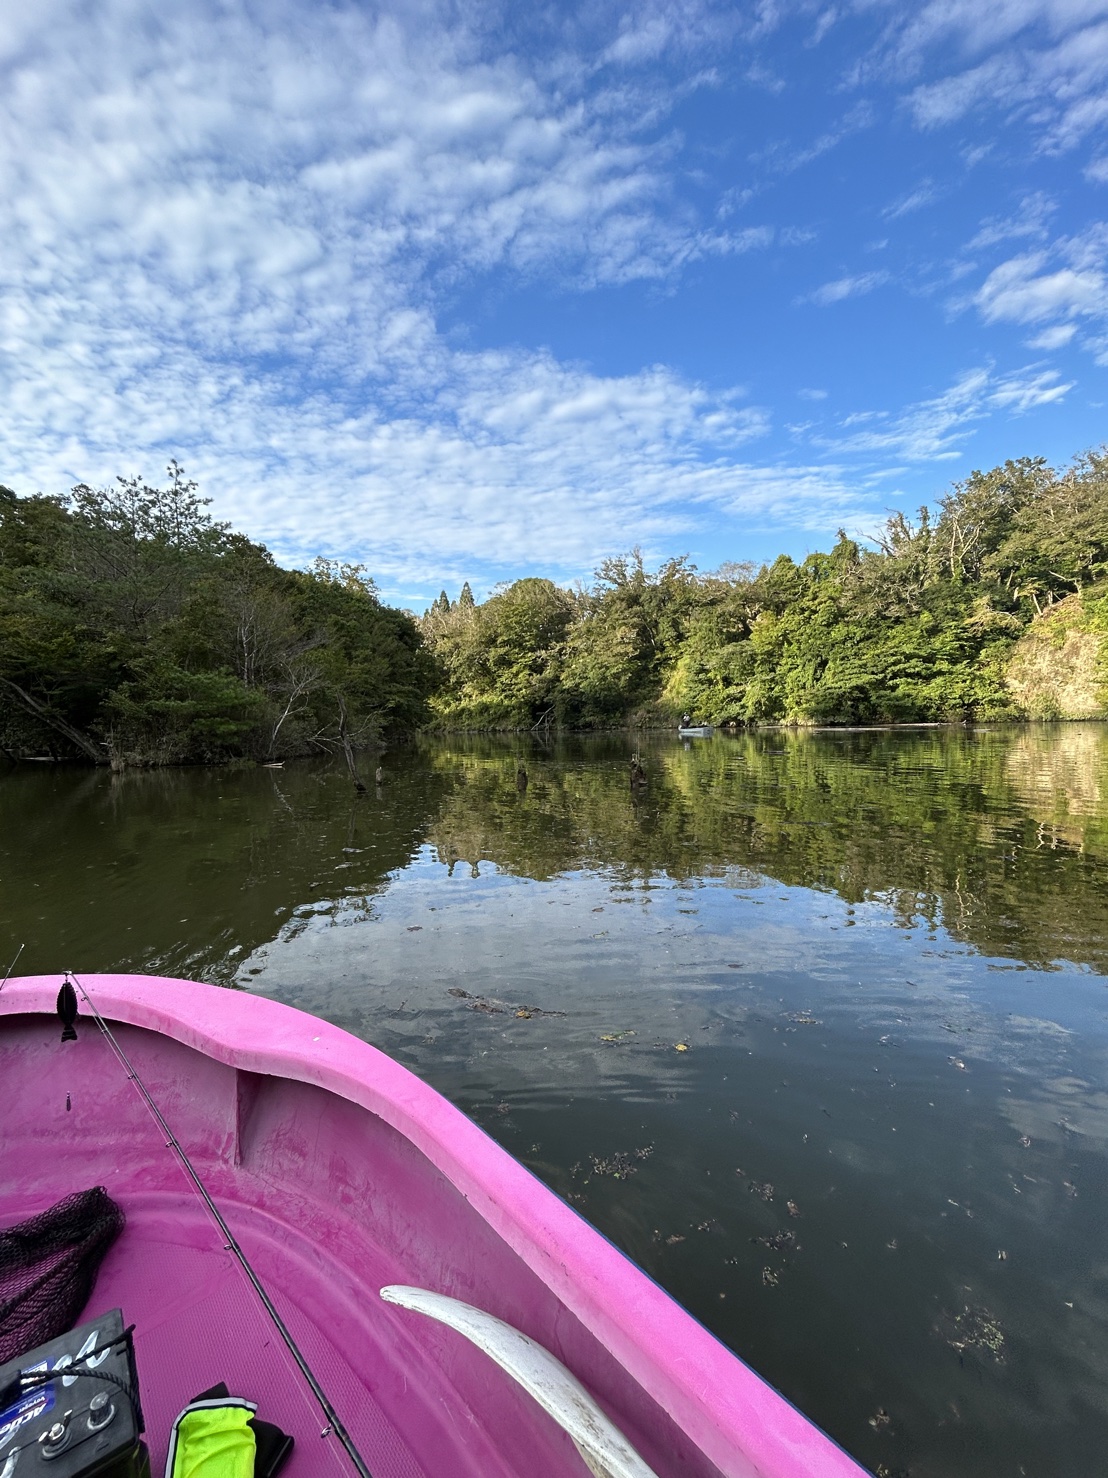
[696, 731]
[463, 1321]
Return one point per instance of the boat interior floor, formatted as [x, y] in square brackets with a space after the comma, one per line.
[329, 1204]
[198, 1321]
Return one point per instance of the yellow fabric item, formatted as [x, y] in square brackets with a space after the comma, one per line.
[214, 1442]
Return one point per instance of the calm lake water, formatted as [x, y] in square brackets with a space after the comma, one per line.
[814, 1027]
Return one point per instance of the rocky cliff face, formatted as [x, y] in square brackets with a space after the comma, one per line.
[1058, 667]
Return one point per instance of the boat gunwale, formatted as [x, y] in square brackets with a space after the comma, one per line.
[737, 1419]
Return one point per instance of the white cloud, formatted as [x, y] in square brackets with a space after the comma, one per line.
[937, 103]
[974, 26]
[1045, 61]
[231, 241]
[1056, 337]
[935, 429]
[1030, 220]
[1020, 291]
[846, 287]
[924, 194]
[824, 21]
[226, 243]
[784, 158]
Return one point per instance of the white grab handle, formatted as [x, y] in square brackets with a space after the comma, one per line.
[599, 1441]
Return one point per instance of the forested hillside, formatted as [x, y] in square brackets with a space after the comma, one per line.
[922, 627]
[134, 629]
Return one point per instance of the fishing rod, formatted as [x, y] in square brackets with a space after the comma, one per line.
[11, 967]
[334, 1421]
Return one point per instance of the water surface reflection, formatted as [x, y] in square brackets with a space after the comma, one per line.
[814, 1026]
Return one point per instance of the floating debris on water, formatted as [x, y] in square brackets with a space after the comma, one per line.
[497, 1008]
[958, 1063]
[976, 1328]
[762, 1188]
[792, 1208]
[879, 1419]
[618, 1165]
[770, 1278]
[681, 1046]
[616, 1036]
[673, 1240]
[779, 1242]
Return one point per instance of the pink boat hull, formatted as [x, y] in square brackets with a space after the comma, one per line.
[340, 1172]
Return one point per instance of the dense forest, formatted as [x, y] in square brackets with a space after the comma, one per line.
[920, 628]
[134, 629]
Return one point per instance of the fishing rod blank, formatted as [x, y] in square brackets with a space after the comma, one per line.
[334, 1421]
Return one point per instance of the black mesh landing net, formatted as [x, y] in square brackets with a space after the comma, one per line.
[48, 1265]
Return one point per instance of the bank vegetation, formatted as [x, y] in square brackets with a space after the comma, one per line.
[923, 627]
[134, 629]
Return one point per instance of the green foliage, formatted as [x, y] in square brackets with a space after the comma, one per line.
[501, 660]
[167, 714]
[919, 629]
[134, 628]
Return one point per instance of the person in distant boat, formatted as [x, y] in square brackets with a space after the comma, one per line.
[686, 720]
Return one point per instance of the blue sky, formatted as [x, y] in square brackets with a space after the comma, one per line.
[468, 292]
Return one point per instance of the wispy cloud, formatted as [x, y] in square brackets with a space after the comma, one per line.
[924, 194]
[785, 158]
[1021, 290]
[1056, 337]
[845, 287]
[1029, 220]
[936, 429]
[1042, 61]
[226, 242]
[232, 234]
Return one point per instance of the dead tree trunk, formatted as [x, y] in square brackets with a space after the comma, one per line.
[348, 748]
[55, 721]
